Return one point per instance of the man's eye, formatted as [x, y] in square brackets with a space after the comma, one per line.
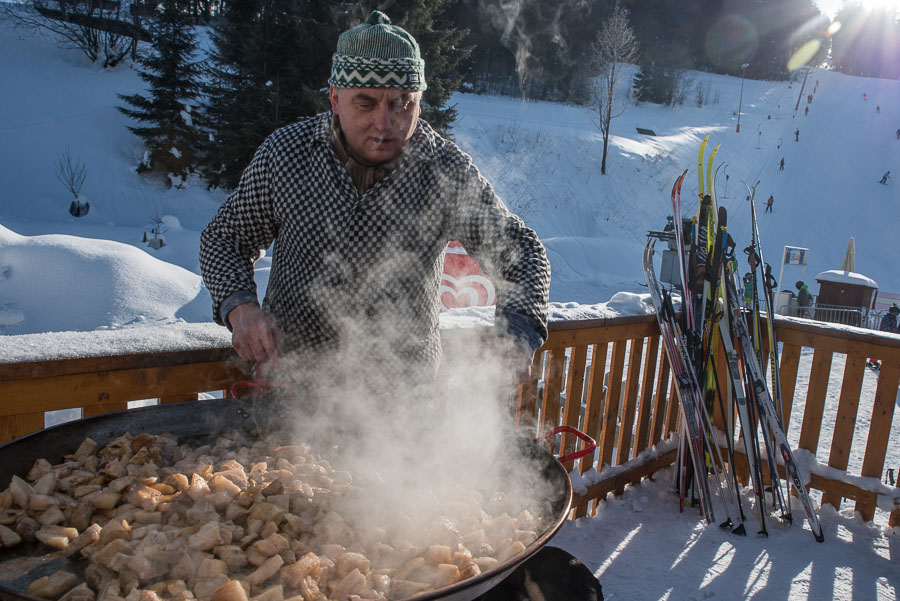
[366, 106]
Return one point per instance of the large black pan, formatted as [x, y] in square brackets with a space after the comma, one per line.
[25, 563]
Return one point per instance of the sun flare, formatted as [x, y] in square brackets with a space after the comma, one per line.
[875, 5]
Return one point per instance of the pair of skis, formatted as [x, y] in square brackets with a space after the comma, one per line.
[768, 413]
[695, 418]
[698, 444]
[711, 315]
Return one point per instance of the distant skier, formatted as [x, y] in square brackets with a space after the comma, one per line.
[781, 164]
[878, 109]
[865, 97]
[804, 299]
[769, 203]
[898, 134]
[806, 111]
[809, 99]
[797, 135]
[885, 177]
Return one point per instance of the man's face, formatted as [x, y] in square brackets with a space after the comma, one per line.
[376, 122]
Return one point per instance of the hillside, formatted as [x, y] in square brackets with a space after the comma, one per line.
[542, 158]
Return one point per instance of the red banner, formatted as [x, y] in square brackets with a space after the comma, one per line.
[463, 284]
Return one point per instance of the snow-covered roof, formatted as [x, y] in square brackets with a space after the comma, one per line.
[846, 277]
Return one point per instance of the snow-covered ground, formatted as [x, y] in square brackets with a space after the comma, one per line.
[62, 274]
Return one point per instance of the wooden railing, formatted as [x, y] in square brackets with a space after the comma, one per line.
[607, 377]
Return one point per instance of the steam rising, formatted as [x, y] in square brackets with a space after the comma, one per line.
[425, 450]
[508, 17]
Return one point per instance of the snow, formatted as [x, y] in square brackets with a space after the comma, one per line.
[846, 277]
[72, 287]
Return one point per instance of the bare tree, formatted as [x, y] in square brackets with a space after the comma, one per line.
[70, 171]
[99, 28]
[615, 47]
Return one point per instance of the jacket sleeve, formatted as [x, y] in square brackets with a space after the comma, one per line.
[508, 251]
[244, 225]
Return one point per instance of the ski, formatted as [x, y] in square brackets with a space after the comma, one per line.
[700, 165]
[695, 417]
[757, 268]
[665, 317]
[769, 415]
[769, 287]
[679, 243]
[745, 417]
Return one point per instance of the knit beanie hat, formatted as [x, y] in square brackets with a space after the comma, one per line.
[377, 54]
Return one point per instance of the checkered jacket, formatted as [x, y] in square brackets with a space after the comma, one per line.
[348, 267]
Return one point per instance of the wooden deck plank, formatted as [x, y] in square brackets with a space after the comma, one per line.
[629, 406]
[660, 398]
[110, 387]
[611, 411]
[815, 400]
[790, 365]
[595, 399]
[574, 390]
[645, 409]
[552, 390]
[879, 429]
[845, 419]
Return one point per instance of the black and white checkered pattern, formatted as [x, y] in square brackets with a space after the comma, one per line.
[348, 268]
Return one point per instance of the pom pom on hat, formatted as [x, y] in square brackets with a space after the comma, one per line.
[377, 54]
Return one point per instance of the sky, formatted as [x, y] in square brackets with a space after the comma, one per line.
[77, 285]
[829, 7]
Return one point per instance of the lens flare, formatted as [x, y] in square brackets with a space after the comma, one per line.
[803, 55]
[834, 28]
[732, 41]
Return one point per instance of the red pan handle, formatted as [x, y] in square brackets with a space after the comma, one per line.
[589, 443]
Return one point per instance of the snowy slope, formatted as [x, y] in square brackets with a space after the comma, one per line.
[61, 273]
[542, 158]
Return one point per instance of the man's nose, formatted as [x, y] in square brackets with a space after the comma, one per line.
[383, 118]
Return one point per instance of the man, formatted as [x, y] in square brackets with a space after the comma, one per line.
[748, 289]
[360, 204]
[888, 324]
[889, 321]
[769, 202]
[884, 178]
[804, 299]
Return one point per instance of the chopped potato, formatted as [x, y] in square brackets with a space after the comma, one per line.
[237, 520]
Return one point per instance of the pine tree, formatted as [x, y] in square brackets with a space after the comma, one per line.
[173, 77]
[269, 63]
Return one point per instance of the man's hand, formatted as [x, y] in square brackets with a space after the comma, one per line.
[255, 336]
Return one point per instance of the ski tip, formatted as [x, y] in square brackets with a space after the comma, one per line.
[740, 530]
[762, 534]
[726, 524]
[820, 538]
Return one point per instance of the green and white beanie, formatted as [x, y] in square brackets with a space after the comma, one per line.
[377, 54]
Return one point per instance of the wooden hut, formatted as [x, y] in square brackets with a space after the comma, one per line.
[844, 297]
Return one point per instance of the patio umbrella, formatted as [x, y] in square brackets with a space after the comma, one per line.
[849, 263]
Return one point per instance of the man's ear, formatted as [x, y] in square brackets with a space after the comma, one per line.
[333, 97]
